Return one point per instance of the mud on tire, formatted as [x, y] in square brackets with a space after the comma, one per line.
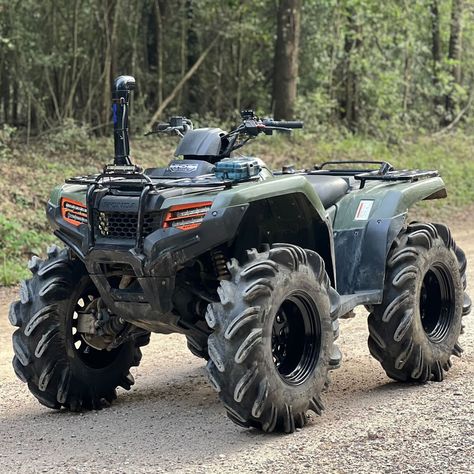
[415, 331]
[57, 372]
[273, 339]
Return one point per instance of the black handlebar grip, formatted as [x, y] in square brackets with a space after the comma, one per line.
[284, 123]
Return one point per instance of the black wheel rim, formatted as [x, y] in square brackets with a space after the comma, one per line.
[296, 338]
[437, 305]
[91, 357]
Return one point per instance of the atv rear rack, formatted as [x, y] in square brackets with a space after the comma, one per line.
[396, 175]
[385, 171]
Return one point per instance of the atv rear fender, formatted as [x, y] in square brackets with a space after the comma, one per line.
[362, 245]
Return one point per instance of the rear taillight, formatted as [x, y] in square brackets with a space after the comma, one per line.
[73, 212]
[186, 216]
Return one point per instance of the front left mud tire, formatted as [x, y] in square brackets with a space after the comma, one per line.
[273, 340]
[61, 370]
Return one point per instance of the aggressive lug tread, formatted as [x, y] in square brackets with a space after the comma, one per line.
[270, 425]
[300, 420]
[259, 403]
[63, 388]
[240, 369]
[254, 338]
[457, 350]
[288, 420]
[214, 356]
[405, 274]
[394, 306]
[244, 384]
[265, 266]
[260, 287]
[24, 292]
[210, 317]
[34, 264]
[316, 405]
[437, 372]
[19, 370]
[398, 338]
[51, 267]
[239, 321]
[403, 255]
[45, 341]
[403, 356]
[37, 318]
[46, 375]
[14, 314]
[51, 286]
[22, 352]
[43, 358]
[404, 325]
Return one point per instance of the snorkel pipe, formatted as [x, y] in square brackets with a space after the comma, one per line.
[122, 87]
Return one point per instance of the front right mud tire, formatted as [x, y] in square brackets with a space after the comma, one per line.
[273, 339]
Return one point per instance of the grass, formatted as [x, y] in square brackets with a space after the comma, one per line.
[29, 174]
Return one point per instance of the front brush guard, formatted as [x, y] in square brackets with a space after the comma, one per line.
[154, 263]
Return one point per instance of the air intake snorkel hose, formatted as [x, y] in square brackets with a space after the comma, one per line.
[122, 87]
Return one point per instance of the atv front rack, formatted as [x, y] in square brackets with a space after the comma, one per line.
[131, 179]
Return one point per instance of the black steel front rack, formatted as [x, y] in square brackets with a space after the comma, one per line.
[120, 177]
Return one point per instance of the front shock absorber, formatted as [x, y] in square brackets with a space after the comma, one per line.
[220, 265]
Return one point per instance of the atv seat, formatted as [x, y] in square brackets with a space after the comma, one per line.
[329, 188]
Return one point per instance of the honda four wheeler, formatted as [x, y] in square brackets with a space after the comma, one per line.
[253, 267]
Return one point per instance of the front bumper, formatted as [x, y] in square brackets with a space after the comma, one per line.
[155, 264]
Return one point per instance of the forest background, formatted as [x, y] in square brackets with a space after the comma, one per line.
[372, 80]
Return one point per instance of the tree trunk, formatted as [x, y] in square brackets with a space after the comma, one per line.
[436, 51]
[455, 54]
[349, 103]
[159, 51]
[435, 40]
[286, 58]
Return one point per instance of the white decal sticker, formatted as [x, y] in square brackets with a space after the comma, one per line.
[182, 168]
[363, 210]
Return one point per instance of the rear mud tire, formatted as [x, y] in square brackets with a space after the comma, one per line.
[273, 340]
[415, 331]
[46, 358]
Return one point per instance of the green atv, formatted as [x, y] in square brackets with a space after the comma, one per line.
[254, 267]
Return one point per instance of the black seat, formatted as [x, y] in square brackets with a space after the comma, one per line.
[329, 188]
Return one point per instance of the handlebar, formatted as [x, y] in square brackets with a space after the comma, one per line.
[283, 123]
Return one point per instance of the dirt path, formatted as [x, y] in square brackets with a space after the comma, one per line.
[172, 421]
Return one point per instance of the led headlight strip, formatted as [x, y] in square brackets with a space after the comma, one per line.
[186, 216]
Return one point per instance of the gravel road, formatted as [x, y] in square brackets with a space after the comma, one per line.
[172, 421]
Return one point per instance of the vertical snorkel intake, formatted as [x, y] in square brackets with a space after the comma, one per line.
[122, 87]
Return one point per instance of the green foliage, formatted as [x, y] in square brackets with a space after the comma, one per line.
[18, 242]
[57, 60]
[68, 137]
[6, 140]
